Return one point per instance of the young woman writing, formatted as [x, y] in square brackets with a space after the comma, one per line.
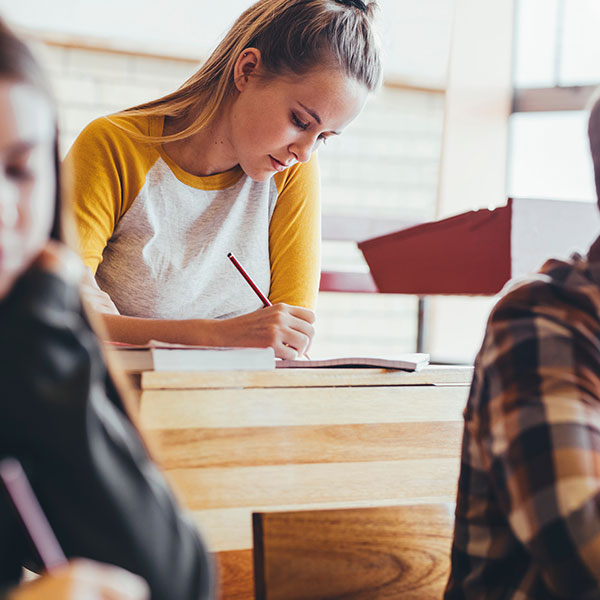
[60, 413]
[164, 191]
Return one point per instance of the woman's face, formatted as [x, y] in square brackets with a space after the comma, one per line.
[27, 178]
[278, 122]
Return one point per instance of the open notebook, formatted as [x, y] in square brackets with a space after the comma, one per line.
[161, 356]
[405, 362]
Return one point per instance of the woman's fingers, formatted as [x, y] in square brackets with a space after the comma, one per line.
[287, 329]
[296, 342]
[113, 583]
[82, 578]
[300, 312]
[295, 332]
[303, 327]
[285, 351]
[97, 299]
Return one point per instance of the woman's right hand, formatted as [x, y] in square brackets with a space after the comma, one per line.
[59, 259]
[84, 579]
[287, 329]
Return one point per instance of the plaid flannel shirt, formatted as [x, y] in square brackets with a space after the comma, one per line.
[528, 506]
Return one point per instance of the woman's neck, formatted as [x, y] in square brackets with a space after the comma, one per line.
[204, 153]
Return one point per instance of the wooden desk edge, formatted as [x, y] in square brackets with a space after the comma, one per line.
[285, 378]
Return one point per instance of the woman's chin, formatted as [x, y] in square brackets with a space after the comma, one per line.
[257, 174]
[7, 282]
[11, 270]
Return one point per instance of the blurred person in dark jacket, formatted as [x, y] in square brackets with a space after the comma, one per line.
[61, 413]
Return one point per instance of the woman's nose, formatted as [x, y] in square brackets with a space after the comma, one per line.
[9, 204]
[302, 150]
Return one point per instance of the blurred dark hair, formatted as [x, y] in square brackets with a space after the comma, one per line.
[18, 63]
[594, 135]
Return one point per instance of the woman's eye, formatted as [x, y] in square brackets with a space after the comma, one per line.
[19, 173]
[298, 123]
[323, 139]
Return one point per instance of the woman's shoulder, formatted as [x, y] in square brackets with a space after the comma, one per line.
[118, 137]
[134, 123]
[119, 128]
[302, 174]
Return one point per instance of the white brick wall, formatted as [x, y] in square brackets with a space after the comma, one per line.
[89, 83]
[385, 164]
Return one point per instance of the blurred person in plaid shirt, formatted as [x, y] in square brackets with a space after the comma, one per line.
[528, 506]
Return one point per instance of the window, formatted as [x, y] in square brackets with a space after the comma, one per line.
[549, 156]
[556, 48]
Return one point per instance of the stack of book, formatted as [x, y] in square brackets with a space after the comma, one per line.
[160, 356]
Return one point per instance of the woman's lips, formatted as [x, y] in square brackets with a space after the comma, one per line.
[277, 165]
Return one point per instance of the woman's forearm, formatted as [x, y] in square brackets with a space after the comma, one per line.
[134, 330]
[287, 329]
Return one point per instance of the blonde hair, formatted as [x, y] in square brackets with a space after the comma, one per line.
[293, 36]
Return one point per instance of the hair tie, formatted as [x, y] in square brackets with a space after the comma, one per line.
[355, 3]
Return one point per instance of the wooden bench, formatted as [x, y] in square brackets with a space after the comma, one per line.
[357, 554]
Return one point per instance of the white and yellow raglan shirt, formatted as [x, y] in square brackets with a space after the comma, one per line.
[157, 237]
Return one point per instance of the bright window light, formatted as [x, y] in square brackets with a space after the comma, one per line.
[535, 43]
[580, 63]
[549, 156]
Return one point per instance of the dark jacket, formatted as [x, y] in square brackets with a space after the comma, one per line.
[61, 416]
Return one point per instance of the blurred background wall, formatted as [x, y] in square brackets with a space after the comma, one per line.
[106, 56]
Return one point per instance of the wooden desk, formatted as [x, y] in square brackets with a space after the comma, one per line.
[391, 552]
[237, 442]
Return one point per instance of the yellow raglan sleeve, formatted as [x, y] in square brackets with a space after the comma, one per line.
[105, 170]
[295, 236]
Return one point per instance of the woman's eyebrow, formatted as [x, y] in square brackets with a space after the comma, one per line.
[315, 116]
[311, 112]
[23, 146]
[17, 148]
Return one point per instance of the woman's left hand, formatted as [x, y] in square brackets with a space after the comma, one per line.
[94, 297]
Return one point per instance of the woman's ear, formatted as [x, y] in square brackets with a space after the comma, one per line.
[247, 64]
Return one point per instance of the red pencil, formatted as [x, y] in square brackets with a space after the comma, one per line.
[247, 277]
[251, 283]
[31, 513]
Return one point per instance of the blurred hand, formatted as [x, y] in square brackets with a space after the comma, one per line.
[61, 260]
[287, 329]
[94, 297]
[84, 580]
